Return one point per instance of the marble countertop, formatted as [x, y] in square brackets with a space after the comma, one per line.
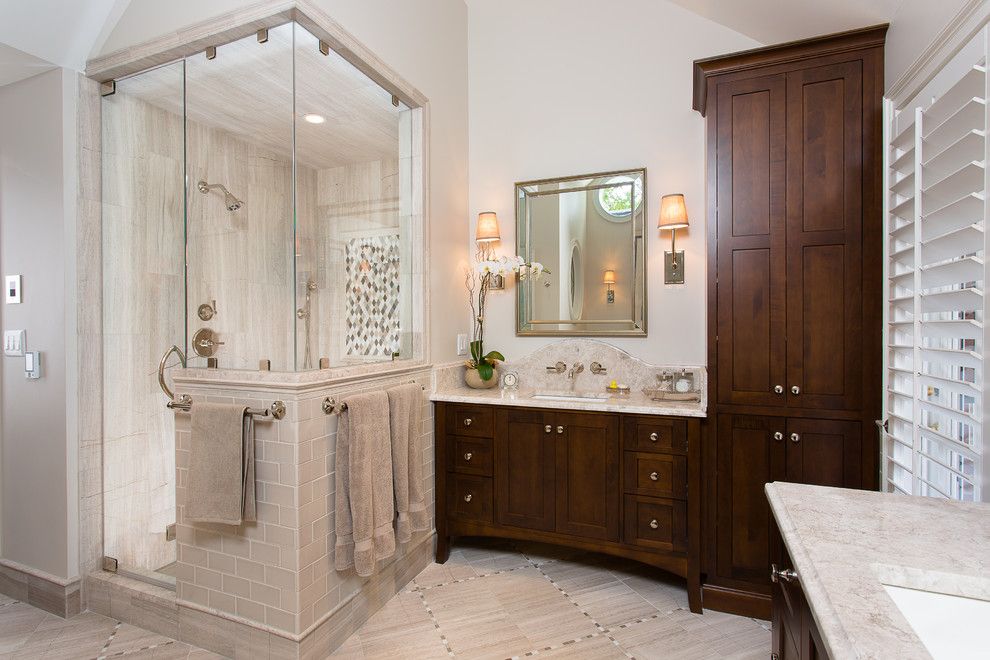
[635, 403]
[846, 544]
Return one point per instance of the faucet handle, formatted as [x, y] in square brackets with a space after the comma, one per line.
[558, 368]
[598, 369]
[578, 367]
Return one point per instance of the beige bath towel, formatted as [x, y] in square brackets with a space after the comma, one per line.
[363, 472]
[404, 404]
[220, 487]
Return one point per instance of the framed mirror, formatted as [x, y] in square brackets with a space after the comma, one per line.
[589, 232]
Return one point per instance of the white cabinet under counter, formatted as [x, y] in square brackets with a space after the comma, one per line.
[860, 574]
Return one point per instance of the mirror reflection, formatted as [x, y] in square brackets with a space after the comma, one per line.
[588, 232]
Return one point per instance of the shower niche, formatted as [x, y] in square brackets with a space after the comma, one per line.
[262, 200]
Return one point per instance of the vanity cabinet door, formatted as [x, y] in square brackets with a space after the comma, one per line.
[750, 451]
[587, 460]
[524, 468]
[824, 452]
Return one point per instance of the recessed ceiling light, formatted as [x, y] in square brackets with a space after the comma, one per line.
[314, 118]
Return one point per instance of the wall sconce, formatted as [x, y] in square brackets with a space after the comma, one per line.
[609, 281]
[486, 233]
[673, 216]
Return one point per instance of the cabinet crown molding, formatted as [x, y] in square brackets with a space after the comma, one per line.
[786, 53]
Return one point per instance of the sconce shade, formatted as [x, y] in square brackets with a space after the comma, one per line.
[609, 277]
[673, 212]
[487, 228]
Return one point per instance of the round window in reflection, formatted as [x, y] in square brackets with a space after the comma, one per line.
[615, 202]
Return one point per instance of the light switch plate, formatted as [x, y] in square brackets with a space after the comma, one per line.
[12, 289]
[32, 365]
[462, 344]
[14, 342]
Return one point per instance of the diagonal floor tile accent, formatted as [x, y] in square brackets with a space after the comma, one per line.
[493, 599]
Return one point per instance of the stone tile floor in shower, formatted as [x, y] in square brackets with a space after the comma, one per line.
[497, 599]
[492, 599]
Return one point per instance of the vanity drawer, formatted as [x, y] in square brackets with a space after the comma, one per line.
[475, 421]
[469, 498]
[469, 455]
[654, 522]
[659, 475]
[657, 434]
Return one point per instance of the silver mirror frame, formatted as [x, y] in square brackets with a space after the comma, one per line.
[524, 326]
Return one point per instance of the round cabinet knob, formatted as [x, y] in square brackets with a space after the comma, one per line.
[654, 524]
[467, 421]
[467, 456]
[467, 498]
[778, 435]
[795, 389]
[795, 437]
[548, 428]
[560, 429]
[778, 389]
[654, 437]
[654, 476]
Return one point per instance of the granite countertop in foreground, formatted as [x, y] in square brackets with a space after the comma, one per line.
[845, 544]
[635, 403]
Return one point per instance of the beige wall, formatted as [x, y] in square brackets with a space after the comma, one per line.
[913, 28]
[618, 98]
[37, 195]
[426, 43]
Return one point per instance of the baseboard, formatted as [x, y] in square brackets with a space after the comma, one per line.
[42, 590]
[734, 601]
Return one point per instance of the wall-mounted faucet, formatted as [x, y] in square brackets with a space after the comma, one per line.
[575, 370]
[558, 368]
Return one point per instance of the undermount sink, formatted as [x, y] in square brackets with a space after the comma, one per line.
[565, 395]
[948, 626]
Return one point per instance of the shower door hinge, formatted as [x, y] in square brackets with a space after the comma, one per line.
[110, 564]
[211, 52]
[324, 47]
[108, 88]
[170, 532]
[395, 100]
[263, 36]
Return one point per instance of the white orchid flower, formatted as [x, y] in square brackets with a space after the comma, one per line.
[537, 268]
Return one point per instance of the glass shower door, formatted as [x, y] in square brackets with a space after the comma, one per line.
[143, 313]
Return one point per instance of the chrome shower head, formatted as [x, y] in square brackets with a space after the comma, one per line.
[231, 202]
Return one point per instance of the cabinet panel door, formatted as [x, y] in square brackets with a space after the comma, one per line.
[748, 456]
[588, 475]
[824, 236]
[524, 469]
[824, 452]
[750, 217]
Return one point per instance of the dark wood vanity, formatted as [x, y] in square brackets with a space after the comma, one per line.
[795, 633]
[616, 483]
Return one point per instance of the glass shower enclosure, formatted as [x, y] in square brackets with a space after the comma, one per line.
[257, 214]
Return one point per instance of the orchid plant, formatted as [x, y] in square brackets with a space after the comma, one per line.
[478, 282]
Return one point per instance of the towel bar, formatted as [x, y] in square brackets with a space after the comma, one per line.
[332, 407]
[276, 410]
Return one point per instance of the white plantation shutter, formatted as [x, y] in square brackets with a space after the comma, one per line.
[933, 443]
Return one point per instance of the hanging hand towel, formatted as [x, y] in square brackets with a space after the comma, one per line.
[404, 405]
[220, 486]
[364, 504]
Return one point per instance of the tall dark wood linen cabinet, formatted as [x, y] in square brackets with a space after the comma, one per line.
[794, 289]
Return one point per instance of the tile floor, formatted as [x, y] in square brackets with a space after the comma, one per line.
[499, 599]
[492, 599]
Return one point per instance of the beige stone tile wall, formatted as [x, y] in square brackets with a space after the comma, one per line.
[278, 572]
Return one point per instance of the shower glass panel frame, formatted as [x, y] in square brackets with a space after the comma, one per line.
[261, 206]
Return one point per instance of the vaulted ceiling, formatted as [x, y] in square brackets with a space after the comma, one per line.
[36, 35]
[777, 21]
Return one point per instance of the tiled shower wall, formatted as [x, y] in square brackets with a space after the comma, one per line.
[279, 571]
